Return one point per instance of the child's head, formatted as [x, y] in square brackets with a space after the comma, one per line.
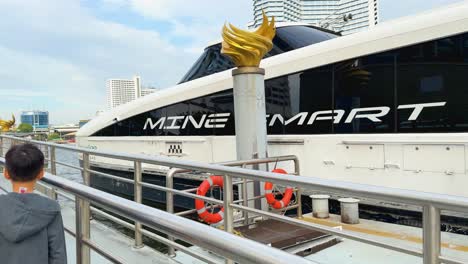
[24, 163]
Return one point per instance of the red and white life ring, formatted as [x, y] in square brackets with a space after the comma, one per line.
[203, 213]
[270, 197]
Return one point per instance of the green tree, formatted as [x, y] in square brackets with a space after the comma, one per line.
[25, 128]
[54, 136]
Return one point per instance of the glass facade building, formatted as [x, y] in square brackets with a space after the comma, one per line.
[344, 16]
[39, 120]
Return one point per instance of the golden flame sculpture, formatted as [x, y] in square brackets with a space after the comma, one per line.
[7, 125]
[245, 48]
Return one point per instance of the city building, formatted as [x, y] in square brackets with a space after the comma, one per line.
[39, 120]
[121, 91]
[345, 16]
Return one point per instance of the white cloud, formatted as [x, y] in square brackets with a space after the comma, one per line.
[61, 51]
[58, 47]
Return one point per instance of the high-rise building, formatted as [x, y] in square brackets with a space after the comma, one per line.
[121, 91]
[39, 120]
[345, 16]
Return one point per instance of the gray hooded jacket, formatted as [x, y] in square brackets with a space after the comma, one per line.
[31, 230]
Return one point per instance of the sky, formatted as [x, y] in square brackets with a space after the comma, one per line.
[56, 55]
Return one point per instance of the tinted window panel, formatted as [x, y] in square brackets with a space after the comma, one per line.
[364, 94]
[286, 39]
[292, 100]
[175, 119]
[224, 108]
[434, 72]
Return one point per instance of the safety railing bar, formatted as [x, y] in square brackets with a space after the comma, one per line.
[133, 158]
[69, 231]
[110, 176]
[181, 193]
[191, 211]
[330, 230]
[190, 190]
[187, 212]
[101, 251]
[68, 165]
[441, 201]
[65, 195]
[227, 245]
[448, 260]
[250, 199]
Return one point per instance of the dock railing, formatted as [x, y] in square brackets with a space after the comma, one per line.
[228, 245]
[431, 203]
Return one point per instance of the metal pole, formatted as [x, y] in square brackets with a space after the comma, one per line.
[431, 234]
[246, 200]
[78, 231]
[170, 205]
[85, 211]
[250, 118]
[299, 189]
[53, 165]
[53, 170]
[138, 199]
[1, 146]
[228, 211]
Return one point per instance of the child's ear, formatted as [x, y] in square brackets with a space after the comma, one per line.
[40, 175]
[6, 174]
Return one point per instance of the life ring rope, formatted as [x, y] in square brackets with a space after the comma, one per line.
[270, 197]
[204, 214]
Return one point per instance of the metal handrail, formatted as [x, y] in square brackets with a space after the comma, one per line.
[432, 203]
[447, 202]
[225, 244]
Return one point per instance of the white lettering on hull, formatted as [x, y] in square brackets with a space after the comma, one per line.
[220, 120]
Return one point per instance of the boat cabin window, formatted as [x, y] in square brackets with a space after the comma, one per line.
[286, 39]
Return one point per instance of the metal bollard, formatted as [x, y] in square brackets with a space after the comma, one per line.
[349, 210]
[320, 205]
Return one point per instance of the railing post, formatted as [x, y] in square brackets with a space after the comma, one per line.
[1, 146]
[78, 231]
[53, 165]
[170, 205]
[53, 170]
[431, 234]
[138, 199]
[245, 198]
[228, 211]
[85, 212]
[299, 189]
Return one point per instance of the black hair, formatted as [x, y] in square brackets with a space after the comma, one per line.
[24, 162]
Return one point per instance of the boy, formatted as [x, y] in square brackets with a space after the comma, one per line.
[31, 228]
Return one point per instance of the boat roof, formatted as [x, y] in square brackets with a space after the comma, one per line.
[280, 25]
[438, 23]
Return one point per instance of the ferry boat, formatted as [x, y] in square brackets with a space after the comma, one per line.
[386, 106]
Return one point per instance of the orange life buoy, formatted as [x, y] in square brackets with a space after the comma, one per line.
[203, 213]
[270, 197]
